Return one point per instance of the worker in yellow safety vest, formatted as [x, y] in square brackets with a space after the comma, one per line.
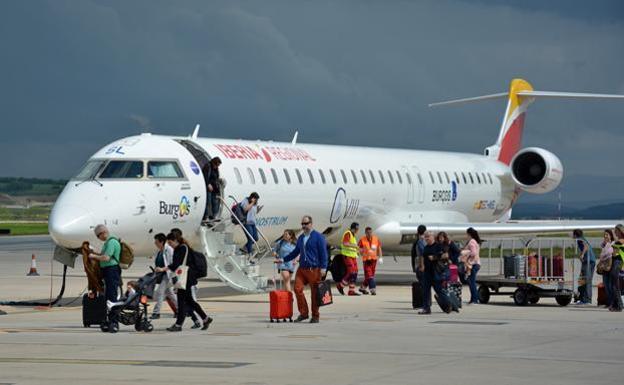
[349, 249]
[370, 249]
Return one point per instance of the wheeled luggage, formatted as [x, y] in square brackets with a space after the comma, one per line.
[444, 302]
[514, 266]
[337, 268]
[602, 295]
[453, 273]
[93, 309]
[455, 293]
[417, 295]
[281, 302]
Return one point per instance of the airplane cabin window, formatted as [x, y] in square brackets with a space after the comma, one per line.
[490, 176]
[344, 176]
[322, 176]
[465, 181]
[478, 178]
[252, 178]
[431, 177]
[483, 177]
[420, 179]
[311, 176]
[274, 173]
[372, 176]
[287, 175]
[471, 178]
[90, 170]
[381, 176]
[123, 169]
[399, 179]
[333, 176]
[237, 173]
[390, 177]
[456, 177]
[262, 176]
[363, 176]
[440, 177]
[299, 176]
[354, 177]
[448, 180]
[409, 178]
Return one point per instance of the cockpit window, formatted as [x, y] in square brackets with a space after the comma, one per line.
[123, 169]
[90, 170]
[163, 169]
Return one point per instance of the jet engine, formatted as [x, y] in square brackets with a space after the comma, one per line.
[536, 170]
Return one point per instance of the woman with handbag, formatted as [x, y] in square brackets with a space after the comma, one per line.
[604, 264]
[184, 279]
[282, 248]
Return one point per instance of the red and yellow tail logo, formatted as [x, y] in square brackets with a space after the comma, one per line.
[510, 139]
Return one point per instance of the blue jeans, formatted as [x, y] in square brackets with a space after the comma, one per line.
[253, 231]
[606, 281]
[213, 204]
[472, 283]
[112, 279]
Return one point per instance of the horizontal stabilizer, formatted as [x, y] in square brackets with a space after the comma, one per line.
[533, 94]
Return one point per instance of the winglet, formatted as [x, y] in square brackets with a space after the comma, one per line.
[294, 139]
[195, 132]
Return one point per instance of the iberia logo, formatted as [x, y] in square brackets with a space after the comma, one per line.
[266, 153]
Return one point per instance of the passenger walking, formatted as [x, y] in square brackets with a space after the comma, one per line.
[370, 249]
[181, 255]
[449, 247]
[164, 288]
[349, 249]
[604, 264]
[417, 250]
[282, 248]
[251, 208]
[616, 269]
[471, 257]
[588, 263]
[311, 249]
[431, 255]
[213, 188]
[109, 261]
[189, 311]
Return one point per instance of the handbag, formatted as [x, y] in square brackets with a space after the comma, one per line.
[323, 293]
[604, 266]
[181, 273]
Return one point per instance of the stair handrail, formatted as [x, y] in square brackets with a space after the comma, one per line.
[264, 238]
[242, 227]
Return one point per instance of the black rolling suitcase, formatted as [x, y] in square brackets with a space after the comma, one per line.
[93, 310]
[455, 293]
[417, 295]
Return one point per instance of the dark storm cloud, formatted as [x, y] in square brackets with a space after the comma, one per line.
[77, 74]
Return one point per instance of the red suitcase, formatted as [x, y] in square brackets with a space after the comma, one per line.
[454, 275]
[281, 305]
[602, 295]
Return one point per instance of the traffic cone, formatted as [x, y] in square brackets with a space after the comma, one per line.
[33, 267]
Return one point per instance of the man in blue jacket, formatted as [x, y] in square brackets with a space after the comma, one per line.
[312, 249]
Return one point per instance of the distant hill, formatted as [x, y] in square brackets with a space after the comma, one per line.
[22, 187]
[548, 211]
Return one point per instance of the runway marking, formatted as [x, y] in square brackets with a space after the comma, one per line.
[81, 361]
[379, 320]
[224, 334]
[302, 336]
[480, 323]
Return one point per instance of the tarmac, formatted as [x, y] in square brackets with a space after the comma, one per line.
[360, 340]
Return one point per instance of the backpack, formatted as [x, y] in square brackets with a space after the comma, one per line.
[239, 214]
[199, 264]
[127, 255]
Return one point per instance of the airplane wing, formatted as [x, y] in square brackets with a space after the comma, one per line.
[504, 229]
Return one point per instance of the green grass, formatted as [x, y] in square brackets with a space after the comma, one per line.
[26, 228]
[30, 214]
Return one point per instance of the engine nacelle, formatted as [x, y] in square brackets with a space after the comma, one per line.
[536, 170]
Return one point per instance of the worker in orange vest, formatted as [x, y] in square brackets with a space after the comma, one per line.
[370, 249]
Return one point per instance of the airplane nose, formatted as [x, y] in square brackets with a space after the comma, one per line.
[70, 225]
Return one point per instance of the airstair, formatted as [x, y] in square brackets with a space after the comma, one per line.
[237, 269]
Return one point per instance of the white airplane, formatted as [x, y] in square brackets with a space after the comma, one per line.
[141, 185]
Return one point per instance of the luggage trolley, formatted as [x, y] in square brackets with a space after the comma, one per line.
[539, 271]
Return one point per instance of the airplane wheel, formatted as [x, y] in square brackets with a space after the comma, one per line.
[484, 294]
[533, 298]
[521, 297]
[563, 300]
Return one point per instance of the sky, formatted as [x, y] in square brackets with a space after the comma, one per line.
[76, 75]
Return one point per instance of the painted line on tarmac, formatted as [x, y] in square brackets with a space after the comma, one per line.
[82, 361]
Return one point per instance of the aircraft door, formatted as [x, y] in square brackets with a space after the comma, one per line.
[410, 184]
[419, 184]
[202, 158]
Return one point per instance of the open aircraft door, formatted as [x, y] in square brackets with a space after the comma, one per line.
[410, 184]
[419, 184]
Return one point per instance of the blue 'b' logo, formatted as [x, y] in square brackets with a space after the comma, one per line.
[453, 191]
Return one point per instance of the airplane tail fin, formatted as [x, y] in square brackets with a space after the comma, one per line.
[520, 95]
